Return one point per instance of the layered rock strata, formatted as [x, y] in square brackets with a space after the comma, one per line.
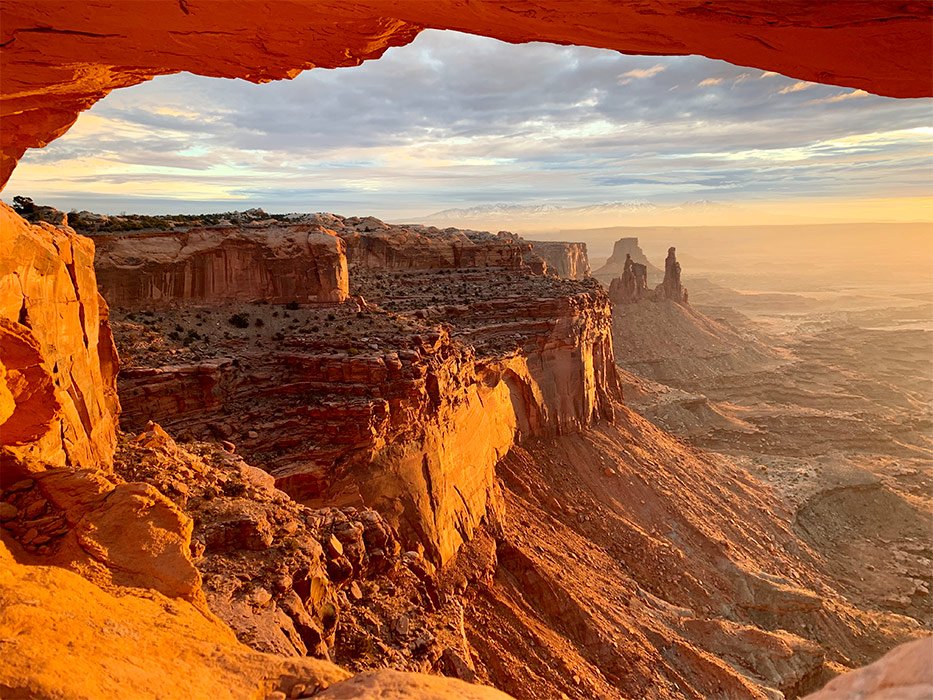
[563, 259]
[264, 260]
[89, 560]
[397, 412]
[375, 244]
[58, 363]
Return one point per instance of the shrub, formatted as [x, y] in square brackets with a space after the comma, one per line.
[23, 205]
[293, 306]
[240, 320]
[259, 323]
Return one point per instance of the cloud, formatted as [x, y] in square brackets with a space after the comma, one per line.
[439, 122]
[841, 97]
[641, 73]
[796, 87]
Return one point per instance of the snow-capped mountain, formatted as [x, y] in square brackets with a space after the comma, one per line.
[551, 214]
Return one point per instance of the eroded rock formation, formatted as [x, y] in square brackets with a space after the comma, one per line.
[563, 259]
[89, 560]
[59, 59]
[58, 361]
[632, 285]
[623, 250]
[671, 287]
[372, 243]
[411, 420]
[271, 261]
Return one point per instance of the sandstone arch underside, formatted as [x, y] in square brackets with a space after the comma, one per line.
[59, 56]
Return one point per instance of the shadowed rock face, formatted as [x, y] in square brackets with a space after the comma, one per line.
[60, 57]
[624, 249]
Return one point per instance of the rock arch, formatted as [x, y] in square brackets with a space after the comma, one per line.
[59, 57]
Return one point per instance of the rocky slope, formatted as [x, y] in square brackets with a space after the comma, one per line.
[526, 529]
[678, 345]
[473, 432]
[833, 414]
[630, 565]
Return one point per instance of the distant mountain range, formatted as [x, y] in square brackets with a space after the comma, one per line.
[548, 214]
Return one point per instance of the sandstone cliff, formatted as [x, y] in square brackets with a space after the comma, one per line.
[563, 259]
[89, 560]
[58, 401]
[372, 243]
[271, 261]
[558, 557]
[411, 420]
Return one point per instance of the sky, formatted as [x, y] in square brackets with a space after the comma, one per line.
[454, 120]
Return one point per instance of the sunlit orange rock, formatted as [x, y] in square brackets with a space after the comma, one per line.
[59, 57]
[58, 400]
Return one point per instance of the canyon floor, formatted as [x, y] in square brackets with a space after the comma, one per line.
[824, 395]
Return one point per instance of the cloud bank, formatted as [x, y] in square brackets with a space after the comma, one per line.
[454, 120]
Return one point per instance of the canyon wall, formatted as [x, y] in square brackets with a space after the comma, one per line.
[93, 551]
[60, 58]
[563, 259]
[275, 262]
[58, 400]
[414, 429]
[372, 243]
